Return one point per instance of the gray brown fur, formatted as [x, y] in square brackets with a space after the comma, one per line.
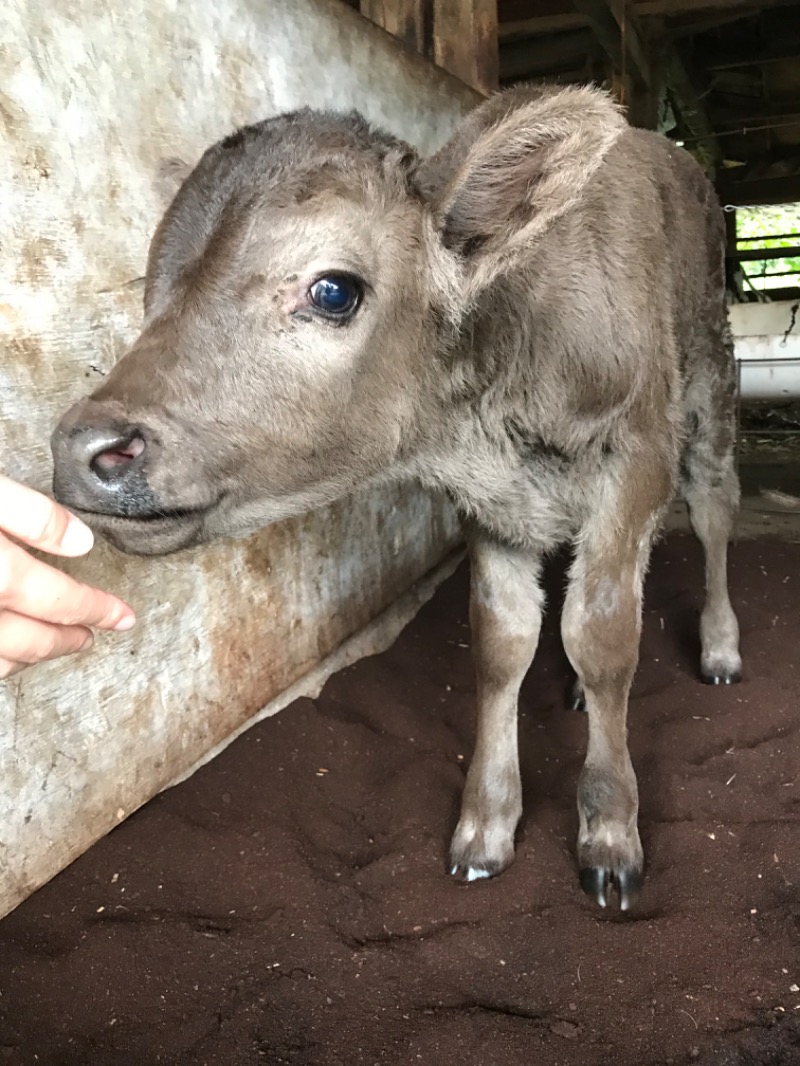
[543, 336]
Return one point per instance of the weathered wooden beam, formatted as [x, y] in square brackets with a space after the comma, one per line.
[411, 21]
[465, 41]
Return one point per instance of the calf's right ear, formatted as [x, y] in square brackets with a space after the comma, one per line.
[529, 165]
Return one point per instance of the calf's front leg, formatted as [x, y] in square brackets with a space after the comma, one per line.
[505, 615]
[601, 626]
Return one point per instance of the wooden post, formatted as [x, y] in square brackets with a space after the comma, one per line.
[411, 21]
[465, 41]
[643, 107]
[733, 269]
[458, 35]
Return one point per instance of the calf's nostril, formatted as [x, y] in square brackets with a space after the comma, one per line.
[112, 461]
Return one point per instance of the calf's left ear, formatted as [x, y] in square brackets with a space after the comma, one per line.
[528, 166]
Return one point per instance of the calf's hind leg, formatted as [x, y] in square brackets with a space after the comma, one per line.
[505, 615]
[711, 489]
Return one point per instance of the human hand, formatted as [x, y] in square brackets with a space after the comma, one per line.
[44, 613]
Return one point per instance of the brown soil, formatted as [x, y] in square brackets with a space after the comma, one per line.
[289, 903]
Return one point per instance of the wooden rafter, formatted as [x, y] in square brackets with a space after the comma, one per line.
[540, 26]
[670, 8]
[527, 58]
[619, 34]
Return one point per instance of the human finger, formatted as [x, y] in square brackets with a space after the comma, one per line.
[27, 640]
[31, 587]
[40, 522]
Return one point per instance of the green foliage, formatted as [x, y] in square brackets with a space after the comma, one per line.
[761, 222]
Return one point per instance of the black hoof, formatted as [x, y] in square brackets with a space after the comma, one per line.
[577, 698]
[721, 679]
[597, 881]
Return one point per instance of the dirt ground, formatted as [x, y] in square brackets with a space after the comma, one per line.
[289, 904]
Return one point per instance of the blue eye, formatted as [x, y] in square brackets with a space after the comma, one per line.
[336, 295]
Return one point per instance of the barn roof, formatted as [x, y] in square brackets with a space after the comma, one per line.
[726, 74]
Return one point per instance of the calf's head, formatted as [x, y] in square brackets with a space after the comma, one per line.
[304, 297]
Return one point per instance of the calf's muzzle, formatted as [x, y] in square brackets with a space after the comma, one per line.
[101, 463]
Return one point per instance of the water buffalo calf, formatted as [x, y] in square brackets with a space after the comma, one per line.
[532, 321]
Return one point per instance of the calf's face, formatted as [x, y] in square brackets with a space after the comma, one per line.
[296, 296]
[285, 307]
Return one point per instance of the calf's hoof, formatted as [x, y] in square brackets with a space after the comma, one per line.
[611, 861]
[480, 852]
[720, 676]
[598, 881]
[577, 698]
[720, 664]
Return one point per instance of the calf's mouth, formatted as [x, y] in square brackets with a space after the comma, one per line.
[153, 533]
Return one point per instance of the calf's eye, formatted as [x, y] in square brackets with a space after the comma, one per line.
[336, 295]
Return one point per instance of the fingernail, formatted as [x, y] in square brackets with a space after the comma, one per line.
[78, 538]
[125, 623]
[87, 643]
